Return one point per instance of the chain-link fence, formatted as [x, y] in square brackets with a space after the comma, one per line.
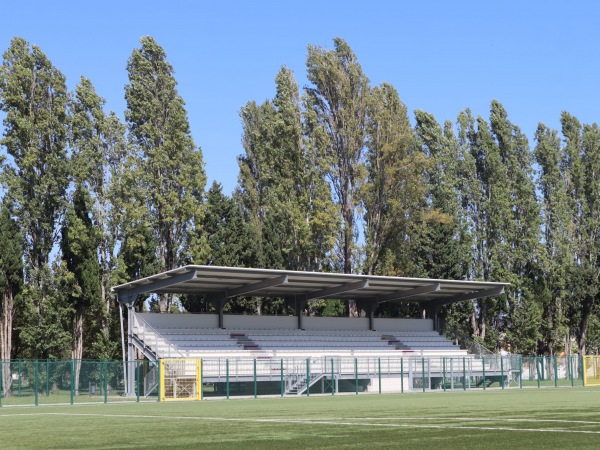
[38, 382]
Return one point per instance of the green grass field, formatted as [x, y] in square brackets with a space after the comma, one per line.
[545, 418]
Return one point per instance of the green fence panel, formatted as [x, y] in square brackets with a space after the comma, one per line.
[31, 382]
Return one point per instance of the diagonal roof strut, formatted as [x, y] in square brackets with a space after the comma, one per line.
[469, 296]
[248, 288]
[337, 290]
[400, 295]
[131, 294]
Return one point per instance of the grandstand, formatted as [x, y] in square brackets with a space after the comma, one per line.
[299, 351]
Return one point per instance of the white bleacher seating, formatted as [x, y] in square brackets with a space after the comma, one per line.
[188, 335]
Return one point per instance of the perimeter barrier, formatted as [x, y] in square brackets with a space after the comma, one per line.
[43, 382]
[52, 382]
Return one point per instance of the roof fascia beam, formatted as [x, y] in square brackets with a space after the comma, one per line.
[248, 288]
[129, 295]
[427, 289]
[337, 290]
[470, 296]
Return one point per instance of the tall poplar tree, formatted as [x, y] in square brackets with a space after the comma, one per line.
[518, 251]
[98, 152]
[34, 97]
[490, 207]
[585, 272]
[444, 248]
[394, 192]
[338, 99]
[281, 187]
[557, 243]
[171, 165]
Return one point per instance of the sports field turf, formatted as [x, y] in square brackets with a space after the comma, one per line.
[528, 419]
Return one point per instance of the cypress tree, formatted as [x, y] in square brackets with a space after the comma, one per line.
[79, 245]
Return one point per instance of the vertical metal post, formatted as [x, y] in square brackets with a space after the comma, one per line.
[423, 373]
[568, 367]
[130, 352]
[555, 371]
[123, 343]
[356, 376]
[281, 374]
[227, 377]
[332, 379]
[483, 368]
[47, 377]
[308, 377]
[444, 373]
[537, 371]
[401, 375]
[201, 379]
[72, 380]
[379, 372]
[19, 380]
[464, 375]
[502, 371]
[571, 370]
[137, 372]
[159, 387]
[1, 385]
[255, 385]
[520, 371]
[104, 371]
[37, 380]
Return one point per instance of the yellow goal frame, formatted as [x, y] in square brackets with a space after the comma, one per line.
[591, 370]
[180, 379]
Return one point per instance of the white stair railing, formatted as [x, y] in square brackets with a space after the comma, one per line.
[152, 339]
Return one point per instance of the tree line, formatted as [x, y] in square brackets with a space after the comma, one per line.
[333, 177]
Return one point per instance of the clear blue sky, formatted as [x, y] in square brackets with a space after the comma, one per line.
[537, 57]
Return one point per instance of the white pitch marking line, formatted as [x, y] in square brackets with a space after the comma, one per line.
[476, 419]
[311, 422]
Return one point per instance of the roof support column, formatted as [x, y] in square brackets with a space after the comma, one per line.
[370, 312]
[130, 352]
[301, 303]
[219, 301]
[433, 313]
[369, 307]
[129, 363]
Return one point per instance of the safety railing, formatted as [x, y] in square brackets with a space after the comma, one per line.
[151, 340]
[39, 382]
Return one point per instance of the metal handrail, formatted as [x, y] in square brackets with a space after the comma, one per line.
[156, 336]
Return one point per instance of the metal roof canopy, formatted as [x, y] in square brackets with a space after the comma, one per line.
[223, 283]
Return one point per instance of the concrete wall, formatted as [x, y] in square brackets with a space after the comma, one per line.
[403, 324]
[181, 320]
[335, 323]
[283, 322]
[260, 322]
